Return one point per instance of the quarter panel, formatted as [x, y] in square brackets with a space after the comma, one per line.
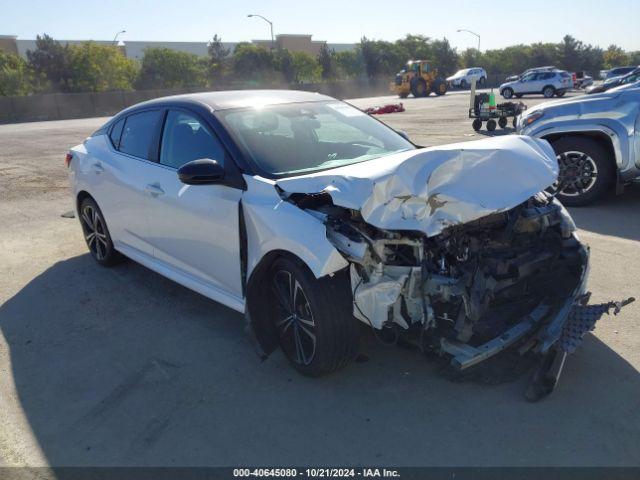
[274, 224]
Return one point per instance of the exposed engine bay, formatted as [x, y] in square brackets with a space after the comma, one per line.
[513, 277]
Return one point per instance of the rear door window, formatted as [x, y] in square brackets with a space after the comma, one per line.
[139, 132]
[116, 132]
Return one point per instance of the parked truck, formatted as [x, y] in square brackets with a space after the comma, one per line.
[596, 139]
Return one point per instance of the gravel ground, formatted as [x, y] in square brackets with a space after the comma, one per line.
[123, 367]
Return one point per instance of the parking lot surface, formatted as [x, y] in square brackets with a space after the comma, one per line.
[123, 367]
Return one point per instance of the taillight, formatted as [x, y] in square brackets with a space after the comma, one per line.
[67, 159]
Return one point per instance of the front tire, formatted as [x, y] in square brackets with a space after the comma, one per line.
[587, 170]
[313, 318]
[507, 93]
[419, 88]
[96, 234]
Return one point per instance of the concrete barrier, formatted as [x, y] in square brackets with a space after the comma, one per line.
[60, 106]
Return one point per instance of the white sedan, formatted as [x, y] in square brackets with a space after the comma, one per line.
[311, 217]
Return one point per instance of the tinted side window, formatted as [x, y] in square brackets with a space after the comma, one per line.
[138, 133]
[185, 138]
[116, 132]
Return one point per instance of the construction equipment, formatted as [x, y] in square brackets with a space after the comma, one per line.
[418, 78]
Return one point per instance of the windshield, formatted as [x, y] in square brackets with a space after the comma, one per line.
[461, 73]
[299, 138]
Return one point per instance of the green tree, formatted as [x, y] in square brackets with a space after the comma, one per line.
[614, 56]
[415, 47]
[166, 68]
[306, 67]
[15, 77]
[99, 68]
[51, 61]
[327, 62]
[350, 63]
[254, 63]
[443, 57]
[218, 58]
[634, 58]
[381, 58]
[471, 57]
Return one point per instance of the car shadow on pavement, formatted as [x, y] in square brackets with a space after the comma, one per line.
[615, 215]
[124, 367]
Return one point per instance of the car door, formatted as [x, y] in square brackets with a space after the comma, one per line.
[120, 191]
[194, 228]
[534, 85]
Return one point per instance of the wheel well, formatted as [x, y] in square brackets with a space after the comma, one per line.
[600, 137]
[81, 196]
[257, 295]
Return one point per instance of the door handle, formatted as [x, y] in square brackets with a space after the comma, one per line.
[97, 168]
[154, 190]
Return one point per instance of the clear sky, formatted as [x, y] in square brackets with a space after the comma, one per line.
[500, 23]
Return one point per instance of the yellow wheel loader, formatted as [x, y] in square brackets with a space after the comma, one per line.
[419, 79]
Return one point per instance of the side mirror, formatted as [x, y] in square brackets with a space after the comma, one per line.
[204, 171]
[403, 134]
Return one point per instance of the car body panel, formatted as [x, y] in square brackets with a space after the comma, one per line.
[272, 224]
[194, 229]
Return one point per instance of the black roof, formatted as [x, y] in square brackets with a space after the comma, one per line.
[223, 100]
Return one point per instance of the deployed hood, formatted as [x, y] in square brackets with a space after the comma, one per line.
[431, 189]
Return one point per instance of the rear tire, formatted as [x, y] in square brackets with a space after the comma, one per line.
[587, 170]
[96, 234]
[507, 93]
[313, 318]
[439, 86]
[502, 121]
[560, 93]
[491, 125]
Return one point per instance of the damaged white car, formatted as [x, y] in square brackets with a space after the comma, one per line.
[311, 217]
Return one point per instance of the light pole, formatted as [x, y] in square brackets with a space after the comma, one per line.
[115, 39]
[270, 26]
[472, 33]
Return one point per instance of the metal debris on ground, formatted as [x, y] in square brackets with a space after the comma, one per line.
[389, 108]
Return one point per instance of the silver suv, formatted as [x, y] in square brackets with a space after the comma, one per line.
[596, 139]
[555, 82]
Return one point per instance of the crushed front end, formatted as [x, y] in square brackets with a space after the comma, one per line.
[510, 279]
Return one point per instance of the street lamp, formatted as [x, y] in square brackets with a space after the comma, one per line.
[115, 39]
[472, 33]
[270, 25]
